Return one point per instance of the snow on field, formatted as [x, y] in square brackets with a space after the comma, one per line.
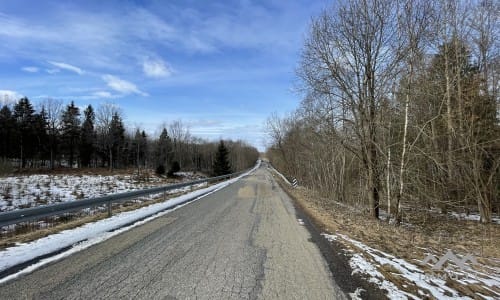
[191, 175]
[370, 261]
[92, 233]
[35, 190]
[472, 217]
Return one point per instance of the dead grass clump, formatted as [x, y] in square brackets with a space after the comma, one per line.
[471, 290]
[5, 167]
[402, 283]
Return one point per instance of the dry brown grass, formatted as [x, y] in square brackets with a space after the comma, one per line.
[411, 242]
[403, 241]
[28, 234]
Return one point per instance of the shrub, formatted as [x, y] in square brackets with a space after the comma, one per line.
[175, 167]
[160, 170]
[5, 167]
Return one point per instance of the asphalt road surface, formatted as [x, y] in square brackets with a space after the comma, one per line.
[242, 242]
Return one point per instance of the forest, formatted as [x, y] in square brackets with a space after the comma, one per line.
[400, 108]
[62, 136]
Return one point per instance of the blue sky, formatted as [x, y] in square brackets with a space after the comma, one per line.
[222, 67]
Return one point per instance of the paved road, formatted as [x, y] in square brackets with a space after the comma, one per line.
[242, 242]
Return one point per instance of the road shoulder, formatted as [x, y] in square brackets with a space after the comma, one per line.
[336, 255]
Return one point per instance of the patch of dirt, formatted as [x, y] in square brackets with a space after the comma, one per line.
[246, 192]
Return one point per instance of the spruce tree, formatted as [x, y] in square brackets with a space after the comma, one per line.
[163, 153]
[7, 126]
[40, 130]
[71, 131]
[117, 137]
[24, 117]
[139, 149]
[88, 136]
[221, 164]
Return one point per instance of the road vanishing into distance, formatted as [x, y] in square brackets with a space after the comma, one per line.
[241, 242]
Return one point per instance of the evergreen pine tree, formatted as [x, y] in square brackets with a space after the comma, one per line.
[221, 164]
[24, 116]
[117, 136]
[40, 131]
[139, 149]
[7, 125]
[164, 150]
[71, 131]
[88, 136]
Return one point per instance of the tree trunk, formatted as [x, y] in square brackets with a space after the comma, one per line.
[485, 188]
[110, 159]
[388, 181]
[403, 150]
[449, 191]
[373, 190]
[51, 158]
[484, 205]
[23, 158]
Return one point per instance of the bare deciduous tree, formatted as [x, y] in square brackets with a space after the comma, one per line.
[350, 56]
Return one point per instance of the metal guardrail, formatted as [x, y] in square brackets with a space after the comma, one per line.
[36, 213]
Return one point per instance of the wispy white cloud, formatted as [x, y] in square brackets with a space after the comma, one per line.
[52, 71]
[95, 95]
[122, 86]
[18, 28]
[104, 95]
[98, 37]
[8, 97]
[67, 67]
[156, 68]
[115, 39]
[241, 25]
[108, 39]
[30, 69]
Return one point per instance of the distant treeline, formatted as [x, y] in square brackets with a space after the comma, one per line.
[59, 135]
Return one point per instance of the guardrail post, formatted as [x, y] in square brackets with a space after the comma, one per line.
[109, 209]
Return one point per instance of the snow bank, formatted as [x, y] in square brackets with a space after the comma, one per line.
[427, 284]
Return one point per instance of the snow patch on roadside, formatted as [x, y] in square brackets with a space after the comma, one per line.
[79, 246]
[357, 294]
[371, 260]
[281, 175]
